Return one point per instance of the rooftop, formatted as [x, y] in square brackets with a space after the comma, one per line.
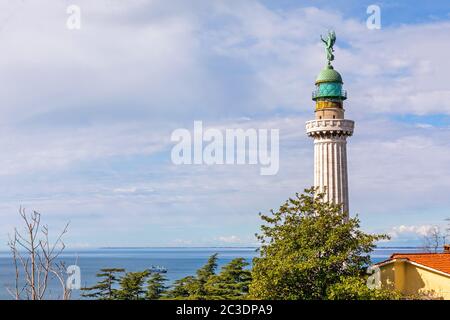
[436, 261]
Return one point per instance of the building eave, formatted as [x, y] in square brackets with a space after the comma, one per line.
[386, 262]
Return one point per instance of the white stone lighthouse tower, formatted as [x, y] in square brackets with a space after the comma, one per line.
[330, 131]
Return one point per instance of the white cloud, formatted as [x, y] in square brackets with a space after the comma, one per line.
[424, 125]
[421, 230]
[230, 239]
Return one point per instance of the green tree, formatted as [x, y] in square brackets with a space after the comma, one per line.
[104, 289]
[308, 246]
[231, 283]
[355, 288]
[132, 286]
[155, 286]
[194, 287]
[182, 288]
[199, 291]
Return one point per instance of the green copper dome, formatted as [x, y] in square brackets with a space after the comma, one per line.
[328, 74]
[329, 85]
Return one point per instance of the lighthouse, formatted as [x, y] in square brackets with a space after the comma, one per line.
[330, 131]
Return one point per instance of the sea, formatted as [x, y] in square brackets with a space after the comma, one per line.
[179, 262]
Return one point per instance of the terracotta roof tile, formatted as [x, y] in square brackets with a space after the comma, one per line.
[437, 261]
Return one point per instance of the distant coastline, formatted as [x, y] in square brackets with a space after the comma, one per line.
[183, 247]
[231, 247]
[69, 249]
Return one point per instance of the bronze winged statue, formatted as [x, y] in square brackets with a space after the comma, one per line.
[329, 43]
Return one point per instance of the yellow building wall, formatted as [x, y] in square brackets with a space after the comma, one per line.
[413, 280]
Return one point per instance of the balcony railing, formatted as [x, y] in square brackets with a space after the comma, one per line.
[316, 94]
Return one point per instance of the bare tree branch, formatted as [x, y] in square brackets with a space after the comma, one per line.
[34, 259]
[435, 240]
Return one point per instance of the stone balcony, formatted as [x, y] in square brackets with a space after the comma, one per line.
[330, 126]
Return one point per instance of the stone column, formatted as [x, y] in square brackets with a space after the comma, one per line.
[330, 158]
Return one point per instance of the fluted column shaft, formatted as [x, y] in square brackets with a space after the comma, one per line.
[330, 158]
[330, 169]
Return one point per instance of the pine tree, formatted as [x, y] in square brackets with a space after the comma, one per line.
[182, 288]
[231, 283]
[104, 289]
[203, 275]
[131, 286]
[155, 286]
[194, 288]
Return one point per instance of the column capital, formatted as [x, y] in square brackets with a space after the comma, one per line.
[326, 127]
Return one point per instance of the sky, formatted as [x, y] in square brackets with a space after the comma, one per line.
[86, 115]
